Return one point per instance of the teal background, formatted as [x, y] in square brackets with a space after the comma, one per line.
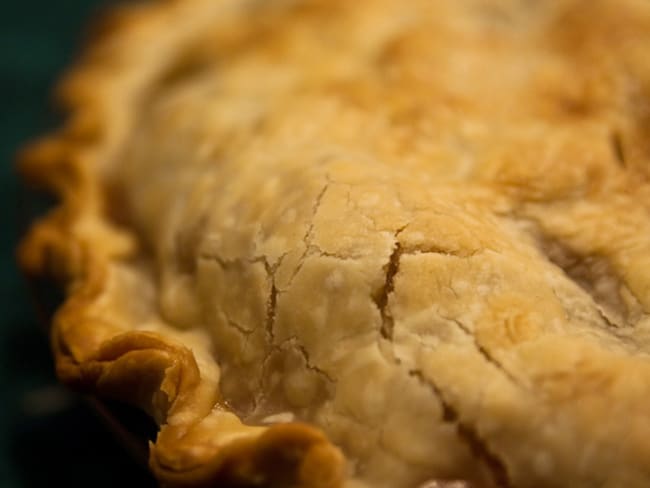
[48, 436]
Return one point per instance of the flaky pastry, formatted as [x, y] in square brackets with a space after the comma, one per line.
[371, 243]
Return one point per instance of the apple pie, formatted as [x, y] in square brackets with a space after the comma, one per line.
[372, 243]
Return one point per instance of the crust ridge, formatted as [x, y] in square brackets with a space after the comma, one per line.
[200, 442]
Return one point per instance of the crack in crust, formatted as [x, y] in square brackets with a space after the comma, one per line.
[468, 434]
[270, 309]
[484, 352]
[310, 365]
[310, 229]
[381, 298]
[617, 147]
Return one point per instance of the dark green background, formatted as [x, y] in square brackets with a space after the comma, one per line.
[49, 437]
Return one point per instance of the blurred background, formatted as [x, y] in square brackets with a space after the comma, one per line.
[48, 436]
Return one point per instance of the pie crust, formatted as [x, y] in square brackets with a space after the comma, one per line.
[327, 243]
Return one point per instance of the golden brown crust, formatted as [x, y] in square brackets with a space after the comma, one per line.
[75, 243]
[481, 246]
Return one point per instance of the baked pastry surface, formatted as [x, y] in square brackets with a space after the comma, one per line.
[365, 244]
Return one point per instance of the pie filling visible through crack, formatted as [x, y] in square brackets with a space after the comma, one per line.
[369, 243]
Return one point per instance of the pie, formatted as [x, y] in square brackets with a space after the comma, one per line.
[372, 243]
